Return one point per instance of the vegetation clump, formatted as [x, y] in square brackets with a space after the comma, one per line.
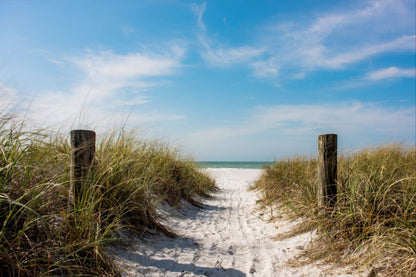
[43, 234]
[374, 220]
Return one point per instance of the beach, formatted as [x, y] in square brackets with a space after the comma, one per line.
[229, 237]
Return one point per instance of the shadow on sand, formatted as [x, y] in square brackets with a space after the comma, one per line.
[172, 266]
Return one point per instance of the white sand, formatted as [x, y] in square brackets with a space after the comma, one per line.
[227, 238]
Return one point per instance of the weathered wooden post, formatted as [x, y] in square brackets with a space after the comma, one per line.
[82, 156]
[327, 170]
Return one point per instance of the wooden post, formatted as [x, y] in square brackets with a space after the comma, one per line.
[327, 170]
[82, 156]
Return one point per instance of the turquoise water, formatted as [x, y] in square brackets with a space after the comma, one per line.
[252, 165]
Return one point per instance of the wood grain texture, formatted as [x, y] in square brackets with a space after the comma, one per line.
[82, 156]
[327, 171]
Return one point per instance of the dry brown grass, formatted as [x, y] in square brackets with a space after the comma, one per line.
[41, 236]
[374, 221]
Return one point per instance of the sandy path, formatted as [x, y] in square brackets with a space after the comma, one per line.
[228, 238]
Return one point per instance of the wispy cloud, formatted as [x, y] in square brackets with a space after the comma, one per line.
[218, 55]
[404, 43]
[199, 11]
[336, 40]
[352, 118]
[266, 69]
[111, 89]
[331, 41]
[107, 64]
[307, 121]
[214, 52]
[392, 72]
[107, 72]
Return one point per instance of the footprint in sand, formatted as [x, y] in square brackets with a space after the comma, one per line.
[230, 222]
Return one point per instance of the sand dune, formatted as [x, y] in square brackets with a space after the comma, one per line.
[227, 238]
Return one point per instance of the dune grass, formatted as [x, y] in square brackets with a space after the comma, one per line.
[42, 234]
[374, 221]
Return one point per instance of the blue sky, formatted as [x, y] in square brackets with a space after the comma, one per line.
[222, 80]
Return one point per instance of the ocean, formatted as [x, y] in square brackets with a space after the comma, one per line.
[252, 165]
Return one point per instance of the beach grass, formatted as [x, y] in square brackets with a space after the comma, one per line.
[374, 221]
[43, 234]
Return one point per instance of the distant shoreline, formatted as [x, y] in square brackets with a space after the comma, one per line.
[248, 165]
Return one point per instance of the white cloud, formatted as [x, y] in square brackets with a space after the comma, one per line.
[110, 76]
[8, 97]
[111, 89]
[62, 110]
[295, 122]
[331, 41]
[106, 73]
[392, 72]
[266, 69]
[361, 17]
[340, 60]
[199, 11]
[272, 132]
[353, 118]
[217, 54]
[335, 40]
[106, 64]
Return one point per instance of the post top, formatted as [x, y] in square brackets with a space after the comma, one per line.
[328, 135]
[82, 131]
